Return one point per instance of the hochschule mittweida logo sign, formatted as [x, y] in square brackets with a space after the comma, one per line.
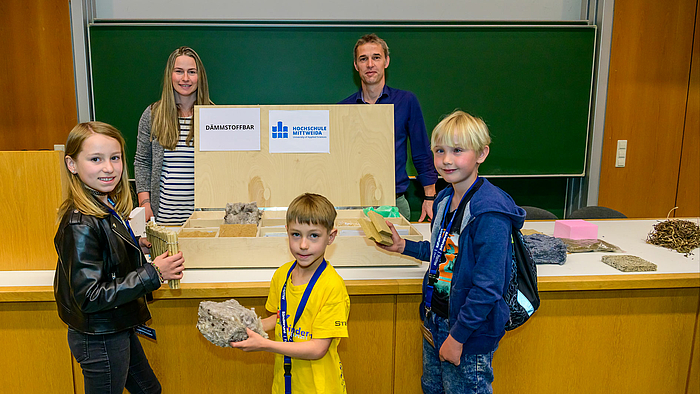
[280, 131]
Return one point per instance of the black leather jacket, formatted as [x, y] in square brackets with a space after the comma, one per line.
[102, 277]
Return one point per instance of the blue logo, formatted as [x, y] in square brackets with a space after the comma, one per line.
[280, 131]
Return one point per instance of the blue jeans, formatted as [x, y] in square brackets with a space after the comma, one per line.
[474, 374]
[113, 362]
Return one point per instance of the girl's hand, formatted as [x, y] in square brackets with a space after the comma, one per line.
[451, 351]
[143, 243]
[399, 243]
[254, 343]
[170, 266]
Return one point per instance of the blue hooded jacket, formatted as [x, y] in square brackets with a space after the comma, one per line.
[478, 312]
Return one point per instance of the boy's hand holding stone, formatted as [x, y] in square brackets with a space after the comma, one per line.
[399, 243]
[254, 343]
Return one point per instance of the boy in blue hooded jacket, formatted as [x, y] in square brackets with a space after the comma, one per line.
[464, 311]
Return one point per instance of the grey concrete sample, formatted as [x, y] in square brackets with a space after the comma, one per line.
[225, 322]
[240, 213]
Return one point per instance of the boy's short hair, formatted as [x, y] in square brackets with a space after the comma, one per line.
[463, 130]
[371, 39]
[312, 208]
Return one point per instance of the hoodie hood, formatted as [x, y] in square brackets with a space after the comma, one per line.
[488, 198]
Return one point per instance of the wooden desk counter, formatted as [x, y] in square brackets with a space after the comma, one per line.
[597, 331]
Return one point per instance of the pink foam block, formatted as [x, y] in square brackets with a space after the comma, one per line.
[575, 229]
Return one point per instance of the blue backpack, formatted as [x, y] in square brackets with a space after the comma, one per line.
[522, 296]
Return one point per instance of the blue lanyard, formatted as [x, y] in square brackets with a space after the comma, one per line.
[300, 311]
[124, 222]
[439, 247]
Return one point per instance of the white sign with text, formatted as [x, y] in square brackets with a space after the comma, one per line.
[229, 129]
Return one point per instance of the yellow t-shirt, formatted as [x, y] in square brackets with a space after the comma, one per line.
[325, 316]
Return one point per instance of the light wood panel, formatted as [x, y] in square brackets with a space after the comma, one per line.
[647, 91]
[368, 354]
[693, 385]
[688, 196]
[409, 345]
[186, 362]
[402, 287]
[38, 90]
[621, 341]
[601, 342]
[30, 195]
[35, 357]
[359, 171]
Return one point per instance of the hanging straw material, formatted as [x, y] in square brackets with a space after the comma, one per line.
[162, 240]
[681, 235]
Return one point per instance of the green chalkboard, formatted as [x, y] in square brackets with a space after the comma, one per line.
[531, 84]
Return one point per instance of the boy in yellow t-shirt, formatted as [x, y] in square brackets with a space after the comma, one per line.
[307, 358]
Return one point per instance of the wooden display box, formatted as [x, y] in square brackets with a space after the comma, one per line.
[204, 247]
[358, 172]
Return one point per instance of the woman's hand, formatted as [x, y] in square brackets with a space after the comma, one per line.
[399, 243]
[148, 210]
[170, 266]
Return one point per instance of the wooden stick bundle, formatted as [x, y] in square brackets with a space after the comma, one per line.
[376, 228]
[162, 239]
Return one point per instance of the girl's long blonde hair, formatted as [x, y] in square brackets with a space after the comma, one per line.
[164, 127]
[81, 198]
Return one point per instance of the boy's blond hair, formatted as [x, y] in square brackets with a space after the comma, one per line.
[312, 208]
[462, 130]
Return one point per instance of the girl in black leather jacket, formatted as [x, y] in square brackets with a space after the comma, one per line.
[102, 277]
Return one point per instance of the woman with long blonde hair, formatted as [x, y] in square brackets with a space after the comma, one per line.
[164, 162]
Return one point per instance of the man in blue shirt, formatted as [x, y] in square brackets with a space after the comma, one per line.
[371, 59]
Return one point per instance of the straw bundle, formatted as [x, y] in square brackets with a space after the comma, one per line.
[162, 240]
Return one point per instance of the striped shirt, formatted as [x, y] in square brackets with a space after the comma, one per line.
[177, 180]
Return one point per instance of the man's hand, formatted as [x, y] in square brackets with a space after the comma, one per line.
[426, 210]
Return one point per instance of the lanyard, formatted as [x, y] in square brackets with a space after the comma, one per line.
[300, 311]
[438, 248]
[124, 222]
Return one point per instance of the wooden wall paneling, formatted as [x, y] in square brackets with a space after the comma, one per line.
[368, 354]
[688, 195]
[409, 345]
[617, 341]
[647, 91]
[30, 195]
[38, 84]
[185, 361]
[693, 385]
[35, 357]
